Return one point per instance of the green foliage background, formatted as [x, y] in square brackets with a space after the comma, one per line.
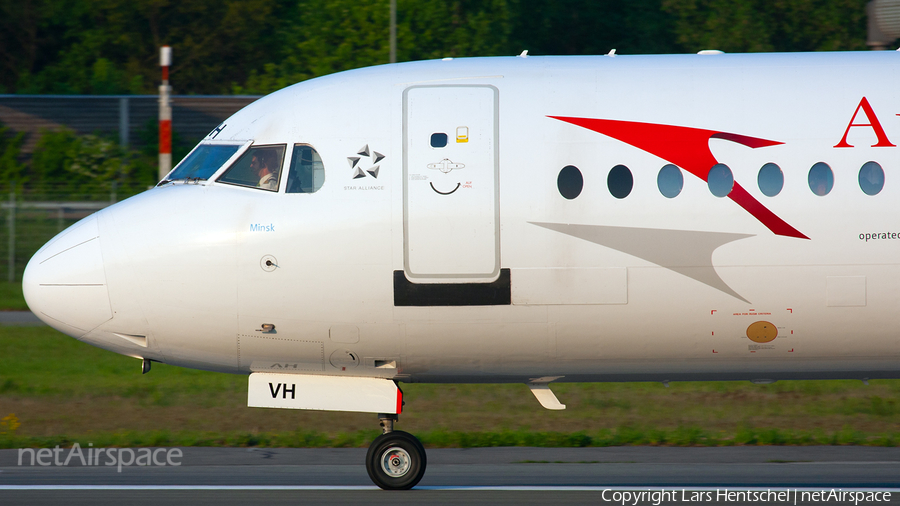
[258, 46]
[71, 167]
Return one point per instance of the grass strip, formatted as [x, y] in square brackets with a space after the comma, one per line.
[11, 297]
[58, 390]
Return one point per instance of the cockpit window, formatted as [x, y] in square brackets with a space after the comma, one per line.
[307, 172]
[259, 167]
[203, 162]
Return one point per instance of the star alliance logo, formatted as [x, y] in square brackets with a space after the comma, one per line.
[365, 158]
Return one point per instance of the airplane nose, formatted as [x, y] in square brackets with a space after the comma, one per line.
[64, 282]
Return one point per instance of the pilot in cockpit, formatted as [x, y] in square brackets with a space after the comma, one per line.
[260, 165]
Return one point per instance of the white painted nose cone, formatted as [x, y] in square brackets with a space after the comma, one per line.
[64, 282]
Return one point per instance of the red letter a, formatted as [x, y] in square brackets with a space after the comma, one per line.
[873, 122]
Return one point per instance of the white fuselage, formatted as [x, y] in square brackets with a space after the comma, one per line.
[588, 288]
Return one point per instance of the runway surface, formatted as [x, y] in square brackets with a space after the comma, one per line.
[464, 476]
[19, 319]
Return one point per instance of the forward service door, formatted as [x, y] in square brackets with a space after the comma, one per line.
[451, 183]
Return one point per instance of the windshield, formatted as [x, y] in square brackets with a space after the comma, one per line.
[258, 167]
[203, 162]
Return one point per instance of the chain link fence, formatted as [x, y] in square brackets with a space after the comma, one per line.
[31, 221]
[35, 212]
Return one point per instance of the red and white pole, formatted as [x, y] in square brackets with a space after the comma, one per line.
[165, 114]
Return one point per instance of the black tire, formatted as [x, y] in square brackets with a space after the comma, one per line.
[396, 461]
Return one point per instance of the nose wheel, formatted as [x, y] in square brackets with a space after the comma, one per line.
[395, 460]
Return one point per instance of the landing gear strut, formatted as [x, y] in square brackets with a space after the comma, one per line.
[396, 459]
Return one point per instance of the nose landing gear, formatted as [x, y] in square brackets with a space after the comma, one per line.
[396, 459]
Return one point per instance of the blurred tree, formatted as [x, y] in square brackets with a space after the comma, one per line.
[769, 25]
[66, 165]
[97, 161]
[48, 163]
[592, 27]
[112, 46]
[256, 46]
[218, 42]
[11, 169]
[327, 36]
[20, 44]
[460, 28]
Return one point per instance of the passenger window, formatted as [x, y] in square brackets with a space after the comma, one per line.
[307, 173]
[821, 179]
[620, 181]
[570, 182]
[720, 180]
[670, 181]
[871, 178]
[438, 140]
[770, 179]
[259, 167]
